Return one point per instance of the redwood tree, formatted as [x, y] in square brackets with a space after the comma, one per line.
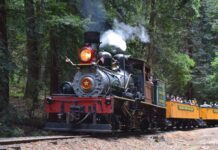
[4, 59]
[32, 85]
[54, 65]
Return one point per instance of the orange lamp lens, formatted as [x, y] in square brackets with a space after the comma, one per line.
[86, 55]
[86, 83]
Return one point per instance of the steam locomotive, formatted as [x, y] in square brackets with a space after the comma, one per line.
[111, 91]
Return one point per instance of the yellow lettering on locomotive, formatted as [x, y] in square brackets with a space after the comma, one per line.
[185, 108]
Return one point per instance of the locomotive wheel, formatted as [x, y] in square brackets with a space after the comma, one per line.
[115, 122]
[144, 126]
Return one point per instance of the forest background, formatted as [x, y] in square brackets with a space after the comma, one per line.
[36, 35]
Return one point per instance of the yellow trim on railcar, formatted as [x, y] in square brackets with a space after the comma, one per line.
[209, 113]
[182, 111]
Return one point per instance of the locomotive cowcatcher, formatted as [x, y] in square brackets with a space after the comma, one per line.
[110, 91]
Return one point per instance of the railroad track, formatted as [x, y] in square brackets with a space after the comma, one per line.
[21, 140]
[15, 143]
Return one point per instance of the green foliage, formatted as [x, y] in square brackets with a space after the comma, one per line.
[50, 15]
[183, 36]
[17, 86]
[66, 22]
[6, 131]
[212, 11]
[203, 39]
[215, 64]
[179, 73]
[132, 12]
[196, 6]
[212, 80]
[214, 76]
[169, 24]
[8, 118]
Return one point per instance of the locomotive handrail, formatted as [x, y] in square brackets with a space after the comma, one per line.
[73, 64]
[127, 83]
[123, 98]
[131, 100]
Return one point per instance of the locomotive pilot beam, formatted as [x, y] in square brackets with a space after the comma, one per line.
[70, 113]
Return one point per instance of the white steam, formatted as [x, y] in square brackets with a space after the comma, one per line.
[112, 38]
[121, 33]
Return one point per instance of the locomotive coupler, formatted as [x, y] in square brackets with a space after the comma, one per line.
[75, 113]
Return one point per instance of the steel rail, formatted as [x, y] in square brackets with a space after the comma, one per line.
[21, 140]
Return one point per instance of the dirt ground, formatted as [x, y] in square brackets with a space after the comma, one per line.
[198, 139]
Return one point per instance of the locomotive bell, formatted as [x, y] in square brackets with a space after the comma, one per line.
[121, 58]
[105, 59]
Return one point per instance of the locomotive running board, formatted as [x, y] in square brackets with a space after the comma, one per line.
[132, 100]
[61, 126]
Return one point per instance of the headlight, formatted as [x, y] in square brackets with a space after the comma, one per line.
[86, 55]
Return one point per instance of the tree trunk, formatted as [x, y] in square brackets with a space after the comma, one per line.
[54, 65]
[4, 59]
[32, 85]
[152, 27]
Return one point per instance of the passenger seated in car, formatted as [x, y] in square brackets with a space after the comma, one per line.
[215, 105]
[205, 104]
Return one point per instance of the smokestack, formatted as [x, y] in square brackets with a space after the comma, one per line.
[92, 37]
